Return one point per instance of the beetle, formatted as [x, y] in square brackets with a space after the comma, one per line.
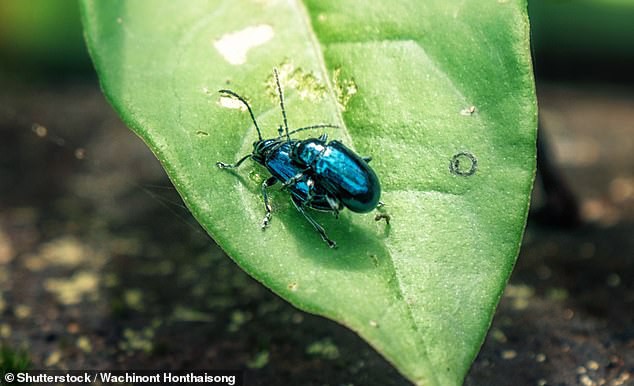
[320, 175]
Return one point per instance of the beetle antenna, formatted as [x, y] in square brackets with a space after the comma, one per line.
[241, 99]
[279, 90]
[320, 126]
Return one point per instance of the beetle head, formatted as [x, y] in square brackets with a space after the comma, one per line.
[261, 148]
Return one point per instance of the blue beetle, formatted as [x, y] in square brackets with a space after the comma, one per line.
[321, 175]
[340, 171]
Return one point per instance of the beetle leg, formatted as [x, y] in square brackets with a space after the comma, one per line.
[223, 165]
[309, 196]
[323, 137]
[367, 159]
[382, 215]
[314, 223]
[334, 204]
[293, 180]
[267, 206]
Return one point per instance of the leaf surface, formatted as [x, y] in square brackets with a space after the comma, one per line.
[439, 93]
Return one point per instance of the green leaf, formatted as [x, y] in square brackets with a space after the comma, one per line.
[413, 84]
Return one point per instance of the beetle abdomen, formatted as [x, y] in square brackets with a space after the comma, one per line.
[347, 176]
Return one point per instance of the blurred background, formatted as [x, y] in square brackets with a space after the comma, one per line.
[91, 229]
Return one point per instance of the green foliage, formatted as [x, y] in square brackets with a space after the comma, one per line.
[584, 28]
[425, 88]
[41, 33]
[13, 361]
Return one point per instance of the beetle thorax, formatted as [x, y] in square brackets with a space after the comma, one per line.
[308, 151]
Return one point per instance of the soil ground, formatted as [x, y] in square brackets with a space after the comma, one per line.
[102, 267]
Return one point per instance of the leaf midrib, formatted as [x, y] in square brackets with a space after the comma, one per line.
[397, 286]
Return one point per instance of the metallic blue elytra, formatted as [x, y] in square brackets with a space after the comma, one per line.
[320, 175]
[341, 172]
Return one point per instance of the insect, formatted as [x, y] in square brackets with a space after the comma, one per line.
[320, 175]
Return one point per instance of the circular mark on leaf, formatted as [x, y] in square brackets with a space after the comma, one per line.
[463, 164]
